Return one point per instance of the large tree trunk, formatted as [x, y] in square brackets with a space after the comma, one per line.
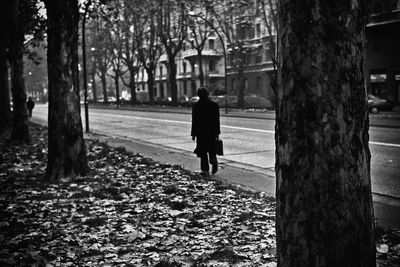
[67, 152]
[5, 107]
[150, 83]
[324, 203]
[20, 129]
[172, 79]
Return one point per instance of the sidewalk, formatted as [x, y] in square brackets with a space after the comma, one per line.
[387, 210]
[389, 119]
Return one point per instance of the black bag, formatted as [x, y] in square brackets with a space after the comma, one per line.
[220, 147]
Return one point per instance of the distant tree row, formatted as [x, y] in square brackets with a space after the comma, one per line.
[125, 36]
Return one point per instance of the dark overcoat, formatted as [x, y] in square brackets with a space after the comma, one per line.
[205, 125]
[30, 104]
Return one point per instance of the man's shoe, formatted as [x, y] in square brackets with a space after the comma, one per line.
[205, 173]
[214, 168]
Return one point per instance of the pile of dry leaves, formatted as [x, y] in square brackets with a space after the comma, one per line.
[132, 211]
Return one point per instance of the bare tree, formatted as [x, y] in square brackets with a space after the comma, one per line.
[148, 48]
[199, 27]
[100, 54]
[67, 152]
[324, 203]
[115, 46]
[130, 52]
[233, 18]
[172, 31]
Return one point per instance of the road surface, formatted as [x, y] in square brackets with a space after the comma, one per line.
[248, 142]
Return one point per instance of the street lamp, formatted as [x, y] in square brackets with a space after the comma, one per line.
[192, 14]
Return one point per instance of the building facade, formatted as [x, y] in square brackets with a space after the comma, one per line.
[256, 36]
[218, 62]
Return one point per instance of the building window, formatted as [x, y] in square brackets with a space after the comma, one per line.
[184, 87]
[211, 65]
[184, 67]
[246, 59]
[258, 84]
[267, 54]
[258, 30]
[161, 71]
[233, 85]
[258, 58]
[211, 43]
[378, 83]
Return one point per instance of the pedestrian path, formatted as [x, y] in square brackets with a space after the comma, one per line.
[387, 210]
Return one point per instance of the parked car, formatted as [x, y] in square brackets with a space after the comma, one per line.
[376, 104]
[111, 99]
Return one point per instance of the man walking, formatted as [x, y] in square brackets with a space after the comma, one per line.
[30, 105]
[206, 130]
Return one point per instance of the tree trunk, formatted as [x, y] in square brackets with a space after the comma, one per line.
[172, 79]
[20, 129]
[240, 103]
[201, 73]
[67, 152]
[324, 203]
[93, 77]
[5, 107]
[104, 86]
[116, 83]
[132, 85]
[150, 84]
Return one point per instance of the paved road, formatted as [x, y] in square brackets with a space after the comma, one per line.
[248, 143]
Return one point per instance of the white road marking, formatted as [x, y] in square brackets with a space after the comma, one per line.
[185, 122]
[224, 126]
[383, 144]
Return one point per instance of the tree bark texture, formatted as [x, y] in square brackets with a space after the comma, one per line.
[324, 203]
[241, 55]
[132, 85]
[201, 73]
[104, 86]
[5, 107]
[20, 129]
[150, 83]
[93, 77]
[67, 152]
[116, 83]
[172, 79]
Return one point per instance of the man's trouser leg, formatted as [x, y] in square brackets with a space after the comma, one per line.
[205, 167]
[214, 162]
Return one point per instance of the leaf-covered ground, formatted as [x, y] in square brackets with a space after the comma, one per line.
[132, 211]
